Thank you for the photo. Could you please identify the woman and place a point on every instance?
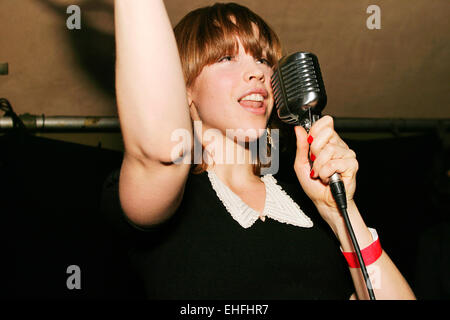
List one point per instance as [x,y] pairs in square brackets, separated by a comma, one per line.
[206,233]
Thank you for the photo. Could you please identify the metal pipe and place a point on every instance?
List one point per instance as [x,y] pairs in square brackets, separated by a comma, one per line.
[394,125]
[41,123]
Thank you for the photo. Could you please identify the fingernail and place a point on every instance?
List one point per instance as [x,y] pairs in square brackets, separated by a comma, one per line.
[310,139]
[312,157]
[311,174]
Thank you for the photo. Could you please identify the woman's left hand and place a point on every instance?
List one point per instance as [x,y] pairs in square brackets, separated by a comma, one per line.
[330,154]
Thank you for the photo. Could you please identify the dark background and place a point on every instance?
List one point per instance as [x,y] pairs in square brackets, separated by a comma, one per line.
[50,196]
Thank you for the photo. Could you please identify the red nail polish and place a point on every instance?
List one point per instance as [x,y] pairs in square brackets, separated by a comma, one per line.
[310,139]
[312,157]
[311,174]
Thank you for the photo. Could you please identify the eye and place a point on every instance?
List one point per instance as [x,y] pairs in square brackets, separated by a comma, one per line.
[225,58]
[264,61]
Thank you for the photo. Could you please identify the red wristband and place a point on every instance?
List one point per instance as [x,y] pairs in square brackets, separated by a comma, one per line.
[370,254]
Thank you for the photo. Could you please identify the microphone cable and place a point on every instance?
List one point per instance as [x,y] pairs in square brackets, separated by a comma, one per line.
[338,192]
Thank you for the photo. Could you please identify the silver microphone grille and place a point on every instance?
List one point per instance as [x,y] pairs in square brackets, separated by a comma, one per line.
[297,87]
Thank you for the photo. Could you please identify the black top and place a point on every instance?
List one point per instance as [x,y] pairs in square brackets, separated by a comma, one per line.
[201,252]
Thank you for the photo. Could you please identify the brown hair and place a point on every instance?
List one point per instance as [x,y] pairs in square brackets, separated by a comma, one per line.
[206,34]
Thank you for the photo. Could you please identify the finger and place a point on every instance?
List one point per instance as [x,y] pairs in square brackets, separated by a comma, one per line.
[330,152]
[346,167]
[325,125]
[319,125]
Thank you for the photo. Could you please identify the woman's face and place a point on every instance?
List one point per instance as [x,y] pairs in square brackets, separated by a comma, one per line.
[233,93]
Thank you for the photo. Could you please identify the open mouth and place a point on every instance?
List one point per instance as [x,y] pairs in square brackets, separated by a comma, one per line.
[253,103]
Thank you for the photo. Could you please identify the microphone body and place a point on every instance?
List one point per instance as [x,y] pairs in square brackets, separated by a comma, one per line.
[300,97]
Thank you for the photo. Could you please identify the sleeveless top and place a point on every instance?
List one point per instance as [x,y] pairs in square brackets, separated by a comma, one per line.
[205,251]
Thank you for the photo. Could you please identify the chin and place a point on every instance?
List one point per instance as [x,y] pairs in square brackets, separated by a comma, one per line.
[247,132]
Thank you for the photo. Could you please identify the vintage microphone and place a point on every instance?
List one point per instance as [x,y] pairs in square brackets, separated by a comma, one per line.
[300,97]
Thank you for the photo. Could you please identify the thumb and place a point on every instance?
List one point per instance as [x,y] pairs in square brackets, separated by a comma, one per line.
[302,146]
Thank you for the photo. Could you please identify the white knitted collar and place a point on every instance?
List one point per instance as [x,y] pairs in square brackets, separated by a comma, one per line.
[278,205]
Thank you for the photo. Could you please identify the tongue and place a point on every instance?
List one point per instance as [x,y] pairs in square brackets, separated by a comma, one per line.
[251,104]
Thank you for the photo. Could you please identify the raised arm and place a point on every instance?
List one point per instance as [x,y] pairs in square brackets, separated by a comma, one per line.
[152,103]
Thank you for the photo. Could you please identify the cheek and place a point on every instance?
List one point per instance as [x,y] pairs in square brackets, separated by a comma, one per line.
[223,86]
[215,94]
[271,98]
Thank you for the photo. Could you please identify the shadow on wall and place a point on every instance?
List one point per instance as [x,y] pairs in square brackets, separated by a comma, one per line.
[94,44]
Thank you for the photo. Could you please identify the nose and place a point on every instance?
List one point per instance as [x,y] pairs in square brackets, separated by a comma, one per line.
[254,72]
